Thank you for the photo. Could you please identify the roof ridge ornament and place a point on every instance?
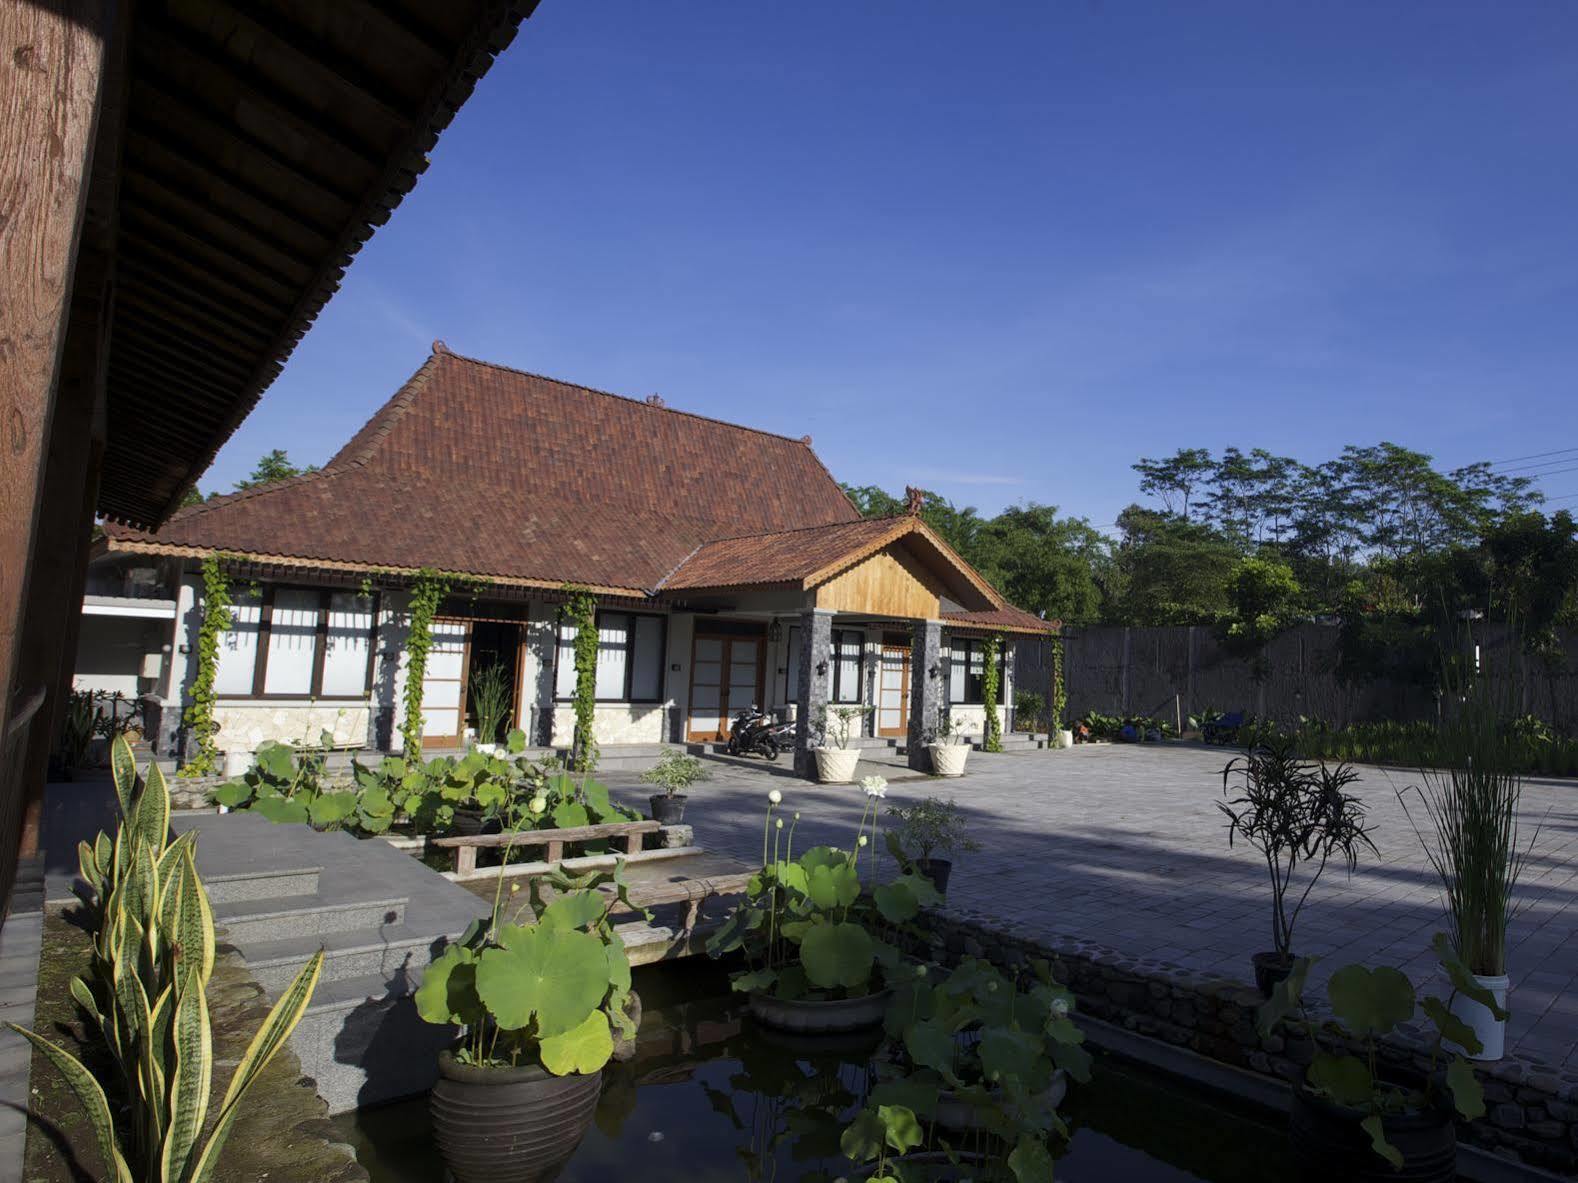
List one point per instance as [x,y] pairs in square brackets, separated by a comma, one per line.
[914,500]
[439,346]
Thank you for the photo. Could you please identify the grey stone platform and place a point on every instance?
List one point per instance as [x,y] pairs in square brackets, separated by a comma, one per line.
[280,893]
[20,940]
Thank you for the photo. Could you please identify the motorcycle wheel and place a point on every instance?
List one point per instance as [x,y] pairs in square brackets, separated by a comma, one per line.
[734,746]
[770,749]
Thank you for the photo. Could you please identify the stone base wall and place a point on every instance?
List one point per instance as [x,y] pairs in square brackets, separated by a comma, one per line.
[616,723]
[1532,1107]
[244,726]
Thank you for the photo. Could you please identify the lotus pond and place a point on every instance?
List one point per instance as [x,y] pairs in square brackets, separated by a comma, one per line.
[712,1096]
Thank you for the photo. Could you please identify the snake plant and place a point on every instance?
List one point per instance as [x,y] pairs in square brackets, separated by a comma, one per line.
[146,994]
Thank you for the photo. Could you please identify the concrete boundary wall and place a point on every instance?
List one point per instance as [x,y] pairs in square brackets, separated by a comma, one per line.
[1175,671]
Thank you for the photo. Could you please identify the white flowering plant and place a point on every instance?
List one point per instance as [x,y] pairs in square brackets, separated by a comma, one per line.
[810,927]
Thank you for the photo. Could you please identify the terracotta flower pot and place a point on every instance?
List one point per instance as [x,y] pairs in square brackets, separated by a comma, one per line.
[509,1125]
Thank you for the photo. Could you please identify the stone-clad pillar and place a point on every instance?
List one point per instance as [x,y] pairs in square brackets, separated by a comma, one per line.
[816,677]
[928,684]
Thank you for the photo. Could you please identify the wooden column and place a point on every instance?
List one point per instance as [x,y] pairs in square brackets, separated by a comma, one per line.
[52,57]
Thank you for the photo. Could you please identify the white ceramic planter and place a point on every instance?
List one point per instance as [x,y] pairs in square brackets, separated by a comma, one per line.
[1065,739]
[487,749]
[948,759]
[836,766]
[1492,1031]
[237,763]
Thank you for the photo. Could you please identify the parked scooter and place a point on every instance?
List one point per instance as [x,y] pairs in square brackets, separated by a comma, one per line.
[756,732]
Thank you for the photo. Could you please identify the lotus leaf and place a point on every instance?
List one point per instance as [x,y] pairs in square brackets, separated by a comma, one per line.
[448,993]
[1464,982]
[900,1128]
[835,886]
[896,901]
[1371,1001]
[329,809]
[275,761]
[837,955]
[864,1138]
[555,976]
[233,794]
[1450,1026]
[930,1045]
[1466,1092]
[575,910]
[567,815]
[1373,1126]
[1008,1054]
[281,809]
[584,1048]
[915,1094]
[1345,1079]
[1030,1161]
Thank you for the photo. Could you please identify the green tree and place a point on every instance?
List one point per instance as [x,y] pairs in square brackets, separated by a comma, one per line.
[273,466]
[1169,571]
[1174,480]
[1043,563]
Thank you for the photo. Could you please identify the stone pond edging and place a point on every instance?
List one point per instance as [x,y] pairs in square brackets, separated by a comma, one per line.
[1532,1107]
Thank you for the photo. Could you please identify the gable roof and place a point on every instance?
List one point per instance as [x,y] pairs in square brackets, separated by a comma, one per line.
[479,469]
[813,555]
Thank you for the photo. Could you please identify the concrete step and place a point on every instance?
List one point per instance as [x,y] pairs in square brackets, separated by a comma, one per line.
[363,1043]
[248,921]
[262,885]
[395,955]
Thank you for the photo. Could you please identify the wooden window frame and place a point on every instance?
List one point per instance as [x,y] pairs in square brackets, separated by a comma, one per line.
[320,648]
[971,645]
[630,665]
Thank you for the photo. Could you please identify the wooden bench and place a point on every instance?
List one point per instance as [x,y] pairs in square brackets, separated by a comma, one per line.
[467,846]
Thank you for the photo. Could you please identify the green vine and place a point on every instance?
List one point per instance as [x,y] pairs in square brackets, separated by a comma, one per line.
[1059,688]
[989,689]
[428,590]
[581,611]
[199,716]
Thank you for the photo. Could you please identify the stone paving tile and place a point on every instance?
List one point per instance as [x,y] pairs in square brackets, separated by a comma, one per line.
[1124,845]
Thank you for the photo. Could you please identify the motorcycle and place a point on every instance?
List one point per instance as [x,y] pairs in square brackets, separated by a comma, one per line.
[754,731]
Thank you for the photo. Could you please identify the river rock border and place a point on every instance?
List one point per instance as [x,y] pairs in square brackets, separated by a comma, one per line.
[1532,1107]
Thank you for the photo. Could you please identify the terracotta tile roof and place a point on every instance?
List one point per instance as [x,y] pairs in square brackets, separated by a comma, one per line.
[812,555]
[1004,619]
[787,556]
[476,468]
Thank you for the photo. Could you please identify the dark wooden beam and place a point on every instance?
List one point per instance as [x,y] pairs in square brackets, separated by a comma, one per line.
[52,57]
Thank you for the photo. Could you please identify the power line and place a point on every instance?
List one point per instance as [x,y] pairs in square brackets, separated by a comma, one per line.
[1540,464]
[1534,456]
[1539,476]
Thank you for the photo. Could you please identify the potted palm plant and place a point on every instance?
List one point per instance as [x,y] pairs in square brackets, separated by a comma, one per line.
[1353,1120]
[540,1003]
[1298,817]
[835,759]
[925,830]
[674,772]
[1470,837]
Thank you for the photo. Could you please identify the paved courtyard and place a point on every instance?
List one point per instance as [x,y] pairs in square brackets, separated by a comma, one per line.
[1124,845]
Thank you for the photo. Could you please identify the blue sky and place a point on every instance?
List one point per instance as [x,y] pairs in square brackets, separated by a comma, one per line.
[1000,250]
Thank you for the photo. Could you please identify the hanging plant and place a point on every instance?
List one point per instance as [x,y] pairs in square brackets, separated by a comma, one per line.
[581,612]
[990,681]
[428,590]
[199,716]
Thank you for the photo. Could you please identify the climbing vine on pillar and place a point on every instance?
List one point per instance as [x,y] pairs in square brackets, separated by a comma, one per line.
[580,611]
[1059,689]
[990,684]
[428,590]
[199,717]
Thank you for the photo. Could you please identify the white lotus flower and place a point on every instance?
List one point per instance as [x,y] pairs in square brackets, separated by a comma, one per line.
[862,840]
[775,797]
[538,804]
[874,786]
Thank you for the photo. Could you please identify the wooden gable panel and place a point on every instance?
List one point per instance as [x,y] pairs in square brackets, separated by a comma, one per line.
[890,583]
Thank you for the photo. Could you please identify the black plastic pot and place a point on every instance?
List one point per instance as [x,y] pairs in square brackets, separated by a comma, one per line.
[937,870]
[509,1125]
[669,808]
[819,1017]
[1271,968]
[466,823]
[1328,1143]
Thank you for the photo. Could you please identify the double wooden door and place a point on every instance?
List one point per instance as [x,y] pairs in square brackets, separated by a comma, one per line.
[893,691]
[725,678]
[444,684]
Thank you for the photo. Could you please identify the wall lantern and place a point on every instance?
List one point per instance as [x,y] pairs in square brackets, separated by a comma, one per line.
[821,669]
[775,631]
[934,670]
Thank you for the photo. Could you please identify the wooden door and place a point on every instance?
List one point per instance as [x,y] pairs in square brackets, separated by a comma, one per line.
[725,678]
[893,691]
[444,684]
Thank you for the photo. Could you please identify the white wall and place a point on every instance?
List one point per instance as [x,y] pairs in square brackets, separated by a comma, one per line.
[110,652]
